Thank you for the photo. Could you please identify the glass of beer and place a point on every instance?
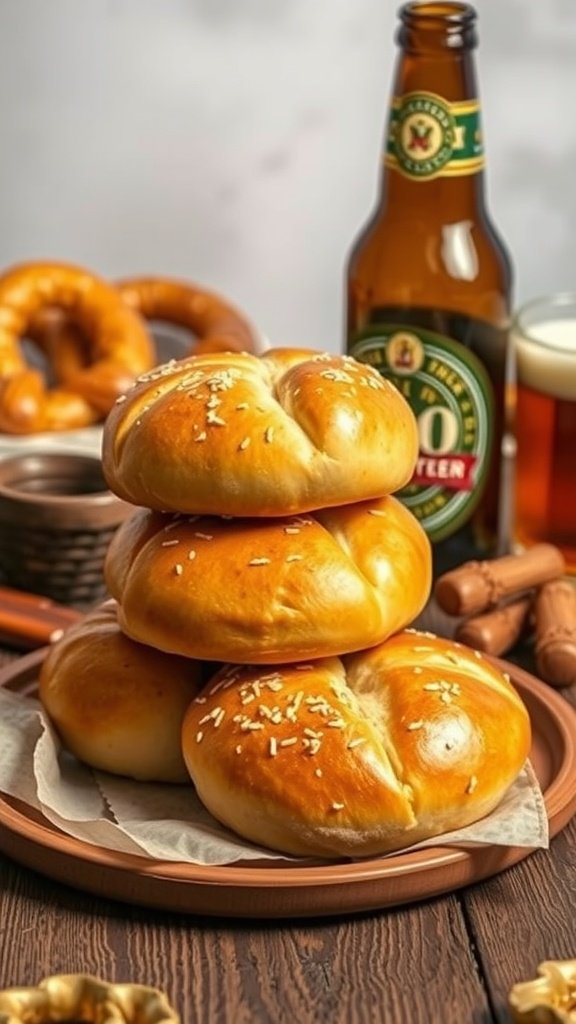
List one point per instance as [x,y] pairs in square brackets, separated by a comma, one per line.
[544,336]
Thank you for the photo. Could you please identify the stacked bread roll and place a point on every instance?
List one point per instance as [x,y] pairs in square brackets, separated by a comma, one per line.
[266,539]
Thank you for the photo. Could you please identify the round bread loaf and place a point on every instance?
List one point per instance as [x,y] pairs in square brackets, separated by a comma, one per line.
[117,705]
[271,435]
[269,590]
[358,756]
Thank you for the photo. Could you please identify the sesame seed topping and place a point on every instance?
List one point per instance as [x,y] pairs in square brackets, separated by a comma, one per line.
[318,773]
[259,561]
[244,444]
[120,399]
[295,558]
[338,807]
[239,748]
[273,747]
[472,784]
[432,686]
[355,743]
[477,654]
[268,434]
[191,555]
[445,697]
[201,436]
[170,543]
[289,742]
[412,726]
[376,512]
[336,723]
[214,420]
[199,736]
[178,569]
[204,536]
[291,529]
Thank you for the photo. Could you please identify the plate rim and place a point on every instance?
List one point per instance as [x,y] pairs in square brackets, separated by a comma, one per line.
[289,879]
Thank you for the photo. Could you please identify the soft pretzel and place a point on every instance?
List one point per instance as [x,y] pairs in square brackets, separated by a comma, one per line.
[360,755]
[244,435]
[117,705]
[216,324]
[269,590]
[117,348]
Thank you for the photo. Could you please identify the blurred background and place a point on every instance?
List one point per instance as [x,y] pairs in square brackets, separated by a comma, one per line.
[237,142]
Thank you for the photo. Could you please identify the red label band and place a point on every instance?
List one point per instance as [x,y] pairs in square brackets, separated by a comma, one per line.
[455,472]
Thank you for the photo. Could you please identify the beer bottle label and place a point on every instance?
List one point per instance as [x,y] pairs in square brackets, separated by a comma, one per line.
[430,137]
[451,396]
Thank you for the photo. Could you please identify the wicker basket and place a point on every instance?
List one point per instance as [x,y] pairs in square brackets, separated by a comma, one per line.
[57,518]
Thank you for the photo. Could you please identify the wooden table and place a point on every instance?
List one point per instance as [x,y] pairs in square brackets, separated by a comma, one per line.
[449,960]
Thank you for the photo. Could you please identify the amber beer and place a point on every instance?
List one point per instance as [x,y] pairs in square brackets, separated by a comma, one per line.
[544,335]
[428,286]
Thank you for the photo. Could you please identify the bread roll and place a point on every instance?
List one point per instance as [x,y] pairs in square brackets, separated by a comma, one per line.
[268,591]
[118,705]
[242,435]
[357,756]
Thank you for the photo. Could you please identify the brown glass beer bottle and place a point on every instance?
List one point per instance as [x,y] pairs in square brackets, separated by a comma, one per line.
[428,287]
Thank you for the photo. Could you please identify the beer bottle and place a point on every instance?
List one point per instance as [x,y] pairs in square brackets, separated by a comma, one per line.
[428,287]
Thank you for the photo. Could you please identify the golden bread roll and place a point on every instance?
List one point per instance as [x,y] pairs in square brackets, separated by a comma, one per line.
[271,435]
[357,756]
[269,590]
[94,372]
[118,705]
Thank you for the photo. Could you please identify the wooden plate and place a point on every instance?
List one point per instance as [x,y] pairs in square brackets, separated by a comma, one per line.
[290,890]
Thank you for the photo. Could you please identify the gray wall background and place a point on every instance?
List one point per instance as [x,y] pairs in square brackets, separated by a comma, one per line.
[237,142]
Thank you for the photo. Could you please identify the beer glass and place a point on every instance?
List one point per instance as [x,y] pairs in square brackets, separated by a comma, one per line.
[544,337]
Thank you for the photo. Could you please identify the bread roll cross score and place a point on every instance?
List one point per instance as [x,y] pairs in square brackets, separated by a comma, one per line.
[236,434]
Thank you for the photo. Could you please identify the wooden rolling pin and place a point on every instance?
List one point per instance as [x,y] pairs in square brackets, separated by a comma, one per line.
[28,621]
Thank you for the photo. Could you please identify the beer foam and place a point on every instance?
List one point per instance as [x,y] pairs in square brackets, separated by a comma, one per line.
[547,359]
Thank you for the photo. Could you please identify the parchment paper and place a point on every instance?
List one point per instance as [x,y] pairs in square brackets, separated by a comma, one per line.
[168,822]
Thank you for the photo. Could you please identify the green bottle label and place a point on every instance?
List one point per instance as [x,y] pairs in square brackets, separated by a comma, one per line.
[429,137]
[451,396]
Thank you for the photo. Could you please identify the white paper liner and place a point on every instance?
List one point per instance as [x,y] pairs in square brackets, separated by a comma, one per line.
[168,822]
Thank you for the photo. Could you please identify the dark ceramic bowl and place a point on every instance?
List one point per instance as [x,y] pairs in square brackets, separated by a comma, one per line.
[57,517]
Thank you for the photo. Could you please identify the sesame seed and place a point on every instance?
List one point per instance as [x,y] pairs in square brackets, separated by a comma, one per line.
[219,718]
[120,399]
[355,743]
[295,558]
[477,654]
[273,747]
[201,436]
[204,536]
[412,726]
[259,561]
[289,742]
[318,773]
[178,569]
[472,784]
[215,420]
[199,736]
[338,807]
[376,512]
[239,749]
[268,434]
[200,700]
[445,697]
[170,543]
[336,723]
[291,529]
[244,444]
[303,668]
[432,686]
[191,555]
[247,698]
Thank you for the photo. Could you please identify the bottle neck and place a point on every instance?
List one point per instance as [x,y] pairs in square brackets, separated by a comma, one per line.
[433,158]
